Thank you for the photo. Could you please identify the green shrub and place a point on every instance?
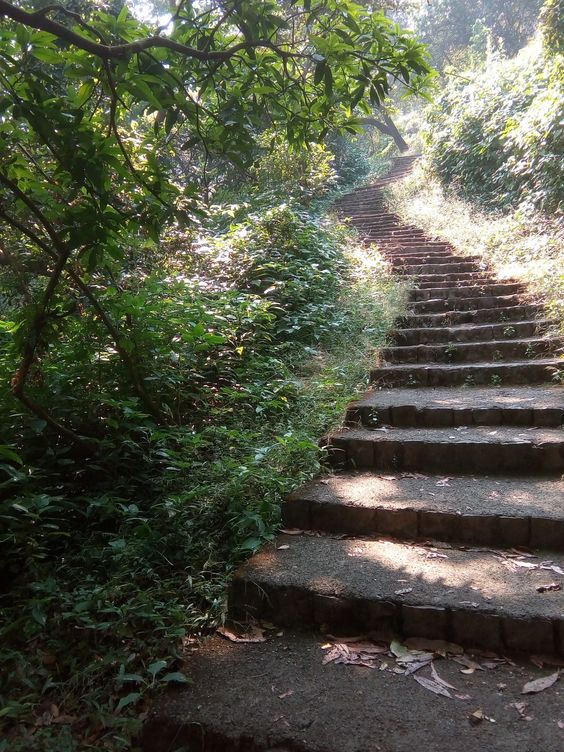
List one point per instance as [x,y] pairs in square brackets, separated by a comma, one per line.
[498,139]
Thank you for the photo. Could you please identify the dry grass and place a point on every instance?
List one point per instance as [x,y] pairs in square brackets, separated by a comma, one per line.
[521,245]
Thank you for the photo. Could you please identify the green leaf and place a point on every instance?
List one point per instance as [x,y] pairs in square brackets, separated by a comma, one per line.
[129,699]
[177,677]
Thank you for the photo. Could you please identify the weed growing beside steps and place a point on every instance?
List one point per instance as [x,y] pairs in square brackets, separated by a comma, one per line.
[109,565]
[522,245]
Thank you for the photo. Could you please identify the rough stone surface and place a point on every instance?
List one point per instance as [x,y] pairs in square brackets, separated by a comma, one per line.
[279,697]
[455,557]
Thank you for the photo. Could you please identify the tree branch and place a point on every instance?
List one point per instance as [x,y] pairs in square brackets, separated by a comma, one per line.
[38,20]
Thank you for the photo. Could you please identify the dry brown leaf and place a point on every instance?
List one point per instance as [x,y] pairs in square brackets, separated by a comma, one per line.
[550,565]
[547,660]
[253,634]
[539,685]
[553,587]
[433,686]
[523,709]
[439,680]
[442,647]
[478,716]
[468,663]
[415,666]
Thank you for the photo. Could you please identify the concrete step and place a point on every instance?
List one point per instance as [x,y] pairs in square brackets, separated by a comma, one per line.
[480,281]
[466,291]
[522,312]
[472,598]
[486,511]
[471,332]
[486,449]
[440,279]
[462,406]
[463,266]
[543,370]
[281,696]
[444,257]
[438,305]
[475,352]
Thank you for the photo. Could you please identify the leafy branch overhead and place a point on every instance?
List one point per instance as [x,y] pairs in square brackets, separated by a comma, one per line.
[96,107]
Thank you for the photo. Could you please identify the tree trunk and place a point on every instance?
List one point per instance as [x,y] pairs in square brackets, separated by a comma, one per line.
[388,127]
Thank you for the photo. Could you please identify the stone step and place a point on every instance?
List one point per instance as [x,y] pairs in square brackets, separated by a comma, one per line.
[537,371]
[439,305]
[462,406]
[470,597]
[436,279]
[466,291]
[486,511]
[462,266]
[485,315]
[478,282]
[474,352]
[281,696]
[486,449]
[471,332]
[446,257]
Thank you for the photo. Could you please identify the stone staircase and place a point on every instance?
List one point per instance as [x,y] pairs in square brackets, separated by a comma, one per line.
[444,517]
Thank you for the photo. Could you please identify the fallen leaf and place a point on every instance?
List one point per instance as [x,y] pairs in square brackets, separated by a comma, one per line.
[442,647]
[292,531]
[433,686]
[404,591]
[549,588]
[463,697]
[478,716]
[551,566]
[443,482]
[253,634]
[468,663]
[547,660]
[539,685]
[282,548]
[439,680]
[523,709]
[286,694]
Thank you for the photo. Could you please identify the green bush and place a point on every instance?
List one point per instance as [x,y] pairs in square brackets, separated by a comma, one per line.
[498,138]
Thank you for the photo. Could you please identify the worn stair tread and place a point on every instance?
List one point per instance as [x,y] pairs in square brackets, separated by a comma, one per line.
[280,697]
[489,510]
[461,435]
[477,580]
[527,348]
[470,332]
[554,363]
[479,400]
[490,449]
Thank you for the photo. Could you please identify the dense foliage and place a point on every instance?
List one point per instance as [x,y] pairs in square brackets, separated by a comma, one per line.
[177,326]
[497,135]
[448,25]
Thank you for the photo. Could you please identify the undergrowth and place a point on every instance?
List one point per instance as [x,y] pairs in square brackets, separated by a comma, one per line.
[257,338]
[522,244]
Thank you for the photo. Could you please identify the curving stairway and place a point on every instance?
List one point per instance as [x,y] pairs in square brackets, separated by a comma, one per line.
[444,520]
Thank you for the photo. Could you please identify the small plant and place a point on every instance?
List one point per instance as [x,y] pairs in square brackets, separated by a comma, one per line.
[495,380]
[509,332]
[469,381]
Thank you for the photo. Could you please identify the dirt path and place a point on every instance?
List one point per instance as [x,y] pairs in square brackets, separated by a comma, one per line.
[437,549]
